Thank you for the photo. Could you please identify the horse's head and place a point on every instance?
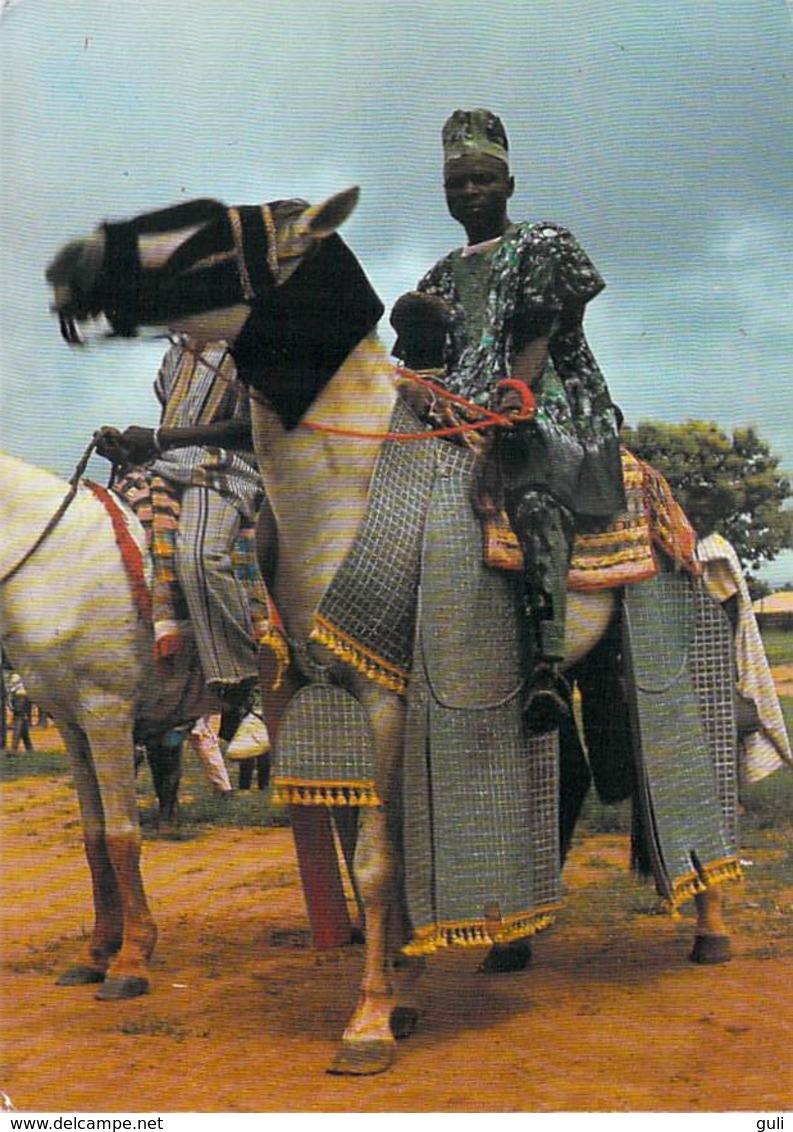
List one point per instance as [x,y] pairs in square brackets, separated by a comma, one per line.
[273,280]
[166,268]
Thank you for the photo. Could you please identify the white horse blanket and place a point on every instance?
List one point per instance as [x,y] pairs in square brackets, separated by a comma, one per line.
[768,748]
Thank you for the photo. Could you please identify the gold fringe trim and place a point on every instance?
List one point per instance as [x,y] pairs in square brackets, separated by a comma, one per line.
[360,658]
[479,933]
[274,640]
[300,792]
[695,883]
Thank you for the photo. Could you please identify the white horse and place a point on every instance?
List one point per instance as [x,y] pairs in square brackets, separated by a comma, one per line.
[71,625]
[196,275]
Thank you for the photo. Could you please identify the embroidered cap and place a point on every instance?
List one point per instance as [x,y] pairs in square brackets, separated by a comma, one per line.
[474,131]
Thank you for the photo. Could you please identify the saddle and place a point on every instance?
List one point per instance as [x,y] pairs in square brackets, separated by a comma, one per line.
[623,553]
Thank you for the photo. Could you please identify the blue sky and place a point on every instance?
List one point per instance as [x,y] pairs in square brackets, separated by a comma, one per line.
[659,132]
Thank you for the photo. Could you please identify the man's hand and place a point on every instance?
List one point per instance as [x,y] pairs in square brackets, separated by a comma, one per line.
[514,399]
[139,444]
[133,446]
[109,445]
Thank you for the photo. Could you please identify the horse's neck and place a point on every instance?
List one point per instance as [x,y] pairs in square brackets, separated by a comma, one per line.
[318,481]
[332,452]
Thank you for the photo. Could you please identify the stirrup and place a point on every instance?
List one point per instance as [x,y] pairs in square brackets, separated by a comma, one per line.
[547,702]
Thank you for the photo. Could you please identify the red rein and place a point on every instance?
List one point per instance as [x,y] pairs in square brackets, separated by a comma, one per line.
[490,419]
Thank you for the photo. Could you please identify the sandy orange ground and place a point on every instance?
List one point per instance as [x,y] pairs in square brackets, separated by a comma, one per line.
[244,1015]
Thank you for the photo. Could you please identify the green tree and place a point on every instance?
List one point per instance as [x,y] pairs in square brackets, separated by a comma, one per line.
[729,484]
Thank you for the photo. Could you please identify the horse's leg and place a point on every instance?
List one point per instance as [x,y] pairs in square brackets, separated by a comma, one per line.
[108,928]
[127,976]
[110,738]
[368,1042]
[406,972]
[711,940]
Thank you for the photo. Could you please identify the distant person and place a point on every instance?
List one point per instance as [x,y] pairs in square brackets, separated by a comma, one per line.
[21,714]
[206,745]
[764,743]
[258,768]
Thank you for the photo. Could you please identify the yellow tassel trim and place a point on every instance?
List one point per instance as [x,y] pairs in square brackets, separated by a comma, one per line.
[479,933]
[275,642]
[695,883]
[299,792]
[358,657]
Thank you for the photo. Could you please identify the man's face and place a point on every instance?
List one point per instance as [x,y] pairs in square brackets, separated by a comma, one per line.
[477,189]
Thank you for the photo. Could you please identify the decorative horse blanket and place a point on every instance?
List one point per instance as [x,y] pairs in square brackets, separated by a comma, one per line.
[626,551]
[132,545]
[481,798]
[367,616]
[151,569]
[480,802]
[684,733]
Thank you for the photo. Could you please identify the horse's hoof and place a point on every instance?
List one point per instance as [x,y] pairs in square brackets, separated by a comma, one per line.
[504,958]
[125,986]
[362,1059]
[81,975]
[403,1021]
[711,949]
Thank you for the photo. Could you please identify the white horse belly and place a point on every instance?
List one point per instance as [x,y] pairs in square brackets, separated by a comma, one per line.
[588,616]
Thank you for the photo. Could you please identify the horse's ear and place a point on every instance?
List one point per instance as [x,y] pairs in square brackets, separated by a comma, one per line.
[322,220]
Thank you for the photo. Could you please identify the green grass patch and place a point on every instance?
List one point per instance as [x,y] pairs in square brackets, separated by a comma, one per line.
[153,1026]
[199,805]
[769,804]
[36,764]
[778,646]
[602,817]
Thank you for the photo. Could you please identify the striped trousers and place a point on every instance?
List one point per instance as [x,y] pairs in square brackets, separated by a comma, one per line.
[217,601]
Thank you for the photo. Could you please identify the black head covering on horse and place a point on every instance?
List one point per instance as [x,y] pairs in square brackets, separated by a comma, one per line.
[310,323]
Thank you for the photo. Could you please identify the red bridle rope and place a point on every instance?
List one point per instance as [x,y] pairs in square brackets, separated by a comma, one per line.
[490,419]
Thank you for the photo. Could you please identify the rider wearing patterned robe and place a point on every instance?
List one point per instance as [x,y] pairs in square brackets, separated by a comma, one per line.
[203,450]
[517,294]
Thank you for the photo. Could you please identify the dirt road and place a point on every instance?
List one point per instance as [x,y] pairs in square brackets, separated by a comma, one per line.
[244,1015]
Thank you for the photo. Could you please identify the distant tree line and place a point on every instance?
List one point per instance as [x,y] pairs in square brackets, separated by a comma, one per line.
[731,484]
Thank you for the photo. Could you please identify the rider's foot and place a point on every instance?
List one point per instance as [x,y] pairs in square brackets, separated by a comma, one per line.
[547,699]
[250,739]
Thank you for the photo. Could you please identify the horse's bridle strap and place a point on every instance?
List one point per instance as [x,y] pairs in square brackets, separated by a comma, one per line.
[253,236]
[120,278]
